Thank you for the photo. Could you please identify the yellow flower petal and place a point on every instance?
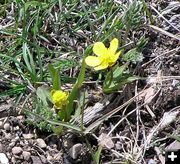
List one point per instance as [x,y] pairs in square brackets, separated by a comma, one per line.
[99,48]
[113,46]
[92,61]
[114,58]
[59,98]
[101,66]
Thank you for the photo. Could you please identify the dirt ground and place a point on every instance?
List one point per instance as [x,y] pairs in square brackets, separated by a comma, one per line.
[146,127]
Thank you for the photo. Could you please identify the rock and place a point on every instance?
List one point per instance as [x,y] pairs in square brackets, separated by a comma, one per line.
[3,159]
[20,117]
[173,146]
[1,148]
[7,126]
[28,136]
[118,145]
[49,157]
[13,160]
[58,156]
[75,150]
[17,150]
[16,128]
[106,141]
[26,155]
[36,160]
[8,136]
[12,144]
[41,143]
[152,161]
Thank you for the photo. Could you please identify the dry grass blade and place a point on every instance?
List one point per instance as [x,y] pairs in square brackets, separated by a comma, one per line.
[163,54]
[164,32]
[165,19]
[108,115]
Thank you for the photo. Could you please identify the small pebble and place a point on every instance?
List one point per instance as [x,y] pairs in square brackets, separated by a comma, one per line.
[17,150]
[12,144]
[13,160]
[20,117]
[28,136]
[118,146]
[8,136]
[36,160]
[58,156]
[41,143]
[26,155]
[175,82]
[75,150]
[7,126]
[16,128]
[152,161]
[49,158]
[1,148]
[3,159]
[172,69]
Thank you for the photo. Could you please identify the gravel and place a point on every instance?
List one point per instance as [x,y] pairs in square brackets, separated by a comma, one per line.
[3,159]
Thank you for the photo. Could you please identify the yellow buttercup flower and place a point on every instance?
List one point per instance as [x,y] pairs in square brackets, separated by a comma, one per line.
[59,98]
[105,57]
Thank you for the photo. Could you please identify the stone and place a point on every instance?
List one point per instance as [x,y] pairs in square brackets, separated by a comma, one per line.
[12,144]
[3,159]
[20,117]
[26,155]
[106,141]
[17,150]
[152,161]
[75,150]
[36,160]
[8,136]
[13,160]
[7,126]
[49,157]
[173,146]
[41,143]
[28,136]
[1,148]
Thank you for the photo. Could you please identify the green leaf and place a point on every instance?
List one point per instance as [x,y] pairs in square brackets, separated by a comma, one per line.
[117,78]
[141,43]
[14,91]
[98,155]
[133,18]
[58,130]
[75,91]
[55,77]
[43,94]
[133,55]
[58,123]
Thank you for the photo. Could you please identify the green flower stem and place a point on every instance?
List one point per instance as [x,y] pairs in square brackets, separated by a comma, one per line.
[75,91]
[111,77]
[82,113]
